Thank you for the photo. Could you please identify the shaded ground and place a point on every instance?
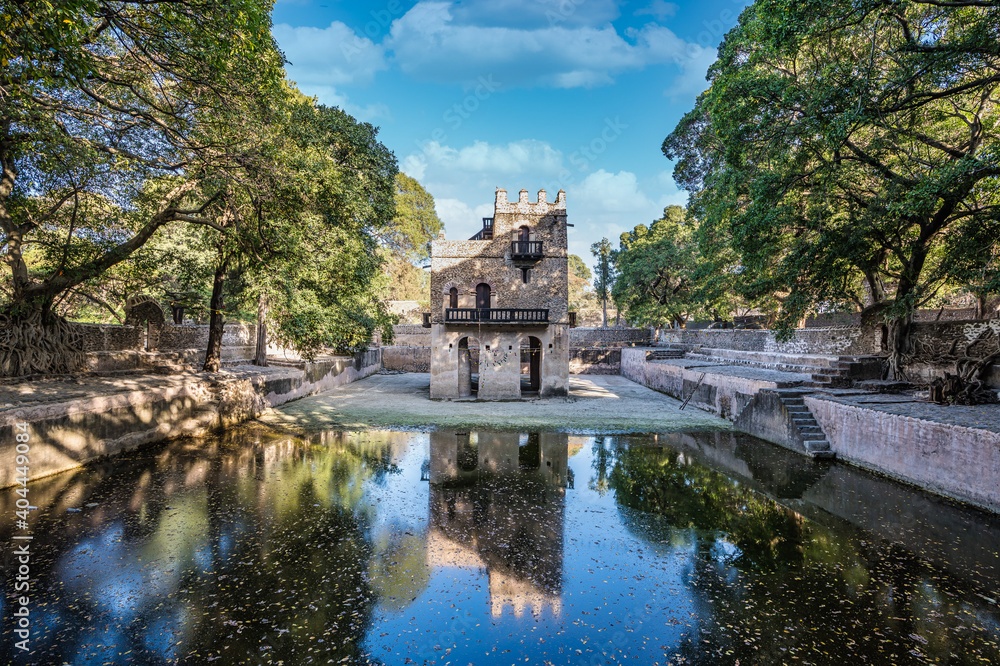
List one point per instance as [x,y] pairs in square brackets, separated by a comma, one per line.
[17,393]
[597,403]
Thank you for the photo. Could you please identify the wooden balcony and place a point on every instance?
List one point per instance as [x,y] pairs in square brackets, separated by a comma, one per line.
[496,316]
[520,250]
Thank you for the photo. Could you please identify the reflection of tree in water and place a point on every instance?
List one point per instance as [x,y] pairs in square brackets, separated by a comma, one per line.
[256,552]
[681,494]
[792,590]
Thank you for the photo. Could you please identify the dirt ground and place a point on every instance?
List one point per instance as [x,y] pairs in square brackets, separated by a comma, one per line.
[597,404]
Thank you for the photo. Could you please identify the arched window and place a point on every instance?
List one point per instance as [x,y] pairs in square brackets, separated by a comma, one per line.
[483,295]
[524,234]
[453,297]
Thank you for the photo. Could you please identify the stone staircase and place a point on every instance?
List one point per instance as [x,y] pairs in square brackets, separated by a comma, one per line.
[665,354]
[813,440]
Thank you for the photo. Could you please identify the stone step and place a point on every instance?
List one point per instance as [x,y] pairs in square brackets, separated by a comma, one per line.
[810,429]
[812,435]
[820,449]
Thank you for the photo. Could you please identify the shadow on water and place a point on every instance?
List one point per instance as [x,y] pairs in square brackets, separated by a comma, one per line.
[482,547]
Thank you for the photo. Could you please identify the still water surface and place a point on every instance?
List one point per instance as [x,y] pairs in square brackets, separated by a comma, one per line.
[499,548]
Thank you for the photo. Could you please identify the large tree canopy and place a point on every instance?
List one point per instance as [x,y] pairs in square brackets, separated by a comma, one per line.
[102,141]
[848,149]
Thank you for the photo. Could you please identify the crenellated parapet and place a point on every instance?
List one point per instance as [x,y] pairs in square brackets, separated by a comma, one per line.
[524,206]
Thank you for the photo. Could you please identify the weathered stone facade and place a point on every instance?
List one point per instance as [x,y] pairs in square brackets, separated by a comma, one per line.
[467,274]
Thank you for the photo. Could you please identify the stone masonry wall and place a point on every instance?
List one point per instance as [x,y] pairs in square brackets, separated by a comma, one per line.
[113,337]
[609,337]
[845,341]
[467,263]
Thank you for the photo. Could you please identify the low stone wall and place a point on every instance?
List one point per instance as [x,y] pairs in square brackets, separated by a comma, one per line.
[411,336]
[595,361]
[113,348]
[406,359]
[957,462]
[64,435]
[581,361]
[609,337]
[196,337]
[108,338]
[114,337]
[843,341]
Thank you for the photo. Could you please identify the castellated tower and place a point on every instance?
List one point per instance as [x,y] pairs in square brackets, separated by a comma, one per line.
[500,305]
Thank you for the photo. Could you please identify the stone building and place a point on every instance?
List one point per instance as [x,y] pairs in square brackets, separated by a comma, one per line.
[500,305]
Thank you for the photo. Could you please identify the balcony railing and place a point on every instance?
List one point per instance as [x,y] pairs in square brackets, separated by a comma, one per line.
[486,233]
[526,249]
[496,316]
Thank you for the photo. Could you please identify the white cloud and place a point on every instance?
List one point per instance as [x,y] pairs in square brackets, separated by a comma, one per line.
[330,56]
[605,205]
[513,158]
[513,13]
[461,220]
[429,42]
[658,9]
[322,59]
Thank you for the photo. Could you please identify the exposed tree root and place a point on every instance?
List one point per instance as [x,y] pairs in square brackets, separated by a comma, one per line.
[31,345]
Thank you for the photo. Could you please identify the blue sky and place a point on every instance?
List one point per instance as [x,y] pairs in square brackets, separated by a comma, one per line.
[472,95]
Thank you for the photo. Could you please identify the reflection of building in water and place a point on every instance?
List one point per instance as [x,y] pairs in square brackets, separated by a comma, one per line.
[496,503]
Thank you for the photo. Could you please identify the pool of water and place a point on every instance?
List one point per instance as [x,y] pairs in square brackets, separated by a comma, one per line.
[498,548]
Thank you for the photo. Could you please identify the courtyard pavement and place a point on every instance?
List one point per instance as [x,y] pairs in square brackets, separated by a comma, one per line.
[597,404]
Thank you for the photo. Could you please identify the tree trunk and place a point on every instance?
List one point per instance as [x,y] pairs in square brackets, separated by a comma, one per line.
[604,306]
[900,347]
[213,355]
[260,358]
[981,307]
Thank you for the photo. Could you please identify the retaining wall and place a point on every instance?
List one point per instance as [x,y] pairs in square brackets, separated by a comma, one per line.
[64,435]
[721,394]
[957,462]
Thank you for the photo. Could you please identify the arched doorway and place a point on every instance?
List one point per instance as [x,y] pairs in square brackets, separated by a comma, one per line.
[453,297]
[524,234]
[468,367]
[531,365]
[484,295]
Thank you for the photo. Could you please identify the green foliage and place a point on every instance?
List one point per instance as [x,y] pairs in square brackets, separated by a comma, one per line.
[581,294]
[416,223]
[655,271]
[578,268]
[847,150]
[604,273]
[101,130]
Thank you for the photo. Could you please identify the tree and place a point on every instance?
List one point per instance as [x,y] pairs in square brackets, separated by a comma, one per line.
[408,241]
[656,283]
[581,294]
[846,148]
[604,273]
[99,141]
[416,223]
